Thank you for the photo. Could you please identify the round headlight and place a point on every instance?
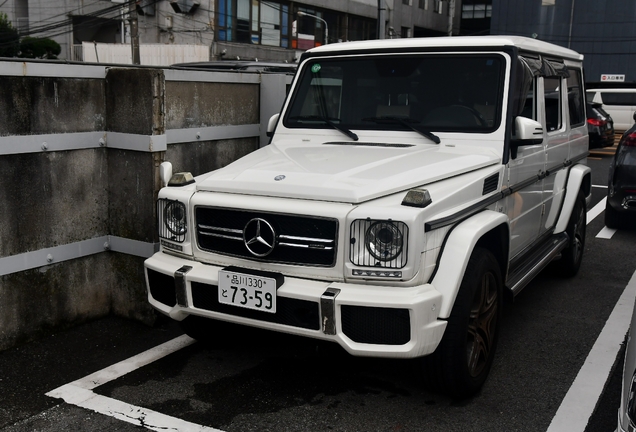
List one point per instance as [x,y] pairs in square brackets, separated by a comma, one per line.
[384,241]
[174,217]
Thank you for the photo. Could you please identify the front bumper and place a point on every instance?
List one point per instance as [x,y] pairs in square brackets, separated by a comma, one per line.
[375,321]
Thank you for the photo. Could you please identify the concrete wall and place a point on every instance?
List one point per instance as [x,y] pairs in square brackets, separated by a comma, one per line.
[80,148]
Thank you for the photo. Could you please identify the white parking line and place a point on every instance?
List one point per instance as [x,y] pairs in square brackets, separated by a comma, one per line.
[80,392]
[596,210]
[605,233]
[581,399]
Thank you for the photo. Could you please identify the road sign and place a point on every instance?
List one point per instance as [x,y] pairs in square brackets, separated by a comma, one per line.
[613,77]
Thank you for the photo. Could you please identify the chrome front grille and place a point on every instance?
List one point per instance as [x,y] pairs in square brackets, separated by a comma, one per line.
[269,237]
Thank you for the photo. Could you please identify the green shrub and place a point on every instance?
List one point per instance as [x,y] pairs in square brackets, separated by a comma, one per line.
[9,38]
[44,48]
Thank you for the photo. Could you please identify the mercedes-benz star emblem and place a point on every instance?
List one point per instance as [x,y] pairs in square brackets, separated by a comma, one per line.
[259,237]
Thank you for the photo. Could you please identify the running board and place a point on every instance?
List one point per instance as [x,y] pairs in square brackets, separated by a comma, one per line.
[535,262]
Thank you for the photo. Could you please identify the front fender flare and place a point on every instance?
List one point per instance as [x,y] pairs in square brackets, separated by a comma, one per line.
[456,252]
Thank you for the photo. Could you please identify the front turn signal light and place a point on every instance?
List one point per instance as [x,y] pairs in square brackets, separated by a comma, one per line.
[417,198]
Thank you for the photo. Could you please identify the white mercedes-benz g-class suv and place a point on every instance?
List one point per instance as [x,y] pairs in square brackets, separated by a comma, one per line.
[409,186]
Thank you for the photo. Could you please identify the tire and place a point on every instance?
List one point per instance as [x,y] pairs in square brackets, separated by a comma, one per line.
[572,256]
[461,363]
[612,217]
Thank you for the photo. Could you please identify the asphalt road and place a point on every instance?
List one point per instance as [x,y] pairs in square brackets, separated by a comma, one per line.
[271,382]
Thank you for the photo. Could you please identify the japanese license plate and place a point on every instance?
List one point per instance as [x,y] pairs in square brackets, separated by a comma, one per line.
[247,290]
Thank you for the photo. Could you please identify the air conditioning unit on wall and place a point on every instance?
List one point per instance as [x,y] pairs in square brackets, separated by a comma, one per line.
[146,7]
[185,6]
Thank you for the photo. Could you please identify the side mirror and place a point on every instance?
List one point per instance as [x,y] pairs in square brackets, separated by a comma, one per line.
[528,132]
[271,125]
[634,116]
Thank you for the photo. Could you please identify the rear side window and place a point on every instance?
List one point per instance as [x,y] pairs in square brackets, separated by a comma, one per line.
[614,98]
[576,106]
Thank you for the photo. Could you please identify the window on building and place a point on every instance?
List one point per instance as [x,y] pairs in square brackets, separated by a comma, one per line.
[548,2]
[406,32]
[270,24]
[252,21]
[243,30]
[438,6]
[476,11]
[277,24]
[423,4]
[359,28]
[406,2]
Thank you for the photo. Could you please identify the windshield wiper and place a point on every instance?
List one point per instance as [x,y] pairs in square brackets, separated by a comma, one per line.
[329,122]
[405,121]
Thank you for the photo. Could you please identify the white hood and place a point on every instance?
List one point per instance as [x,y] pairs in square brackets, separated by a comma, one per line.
[350,172]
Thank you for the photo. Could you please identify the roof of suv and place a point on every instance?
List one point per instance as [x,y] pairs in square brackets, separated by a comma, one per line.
[523,43]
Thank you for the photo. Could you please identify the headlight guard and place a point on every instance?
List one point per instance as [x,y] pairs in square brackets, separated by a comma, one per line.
[379,243]
[173,221]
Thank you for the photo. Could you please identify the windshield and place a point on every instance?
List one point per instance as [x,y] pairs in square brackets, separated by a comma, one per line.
[429,93]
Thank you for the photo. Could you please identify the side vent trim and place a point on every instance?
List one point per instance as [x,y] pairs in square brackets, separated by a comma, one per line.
[490,184]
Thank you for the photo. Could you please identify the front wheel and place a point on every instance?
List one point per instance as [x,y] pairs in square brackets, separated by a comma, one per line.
[461,363]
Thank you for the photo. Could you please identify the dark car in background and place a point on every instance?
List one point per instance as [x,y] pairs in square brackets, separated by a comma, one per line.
[600,126]
[620,209]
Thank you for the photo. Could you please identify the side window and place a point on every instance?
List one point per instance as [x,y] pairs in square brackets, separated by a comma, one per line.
[552,103]
[529,107]
[575,98]
[625,99]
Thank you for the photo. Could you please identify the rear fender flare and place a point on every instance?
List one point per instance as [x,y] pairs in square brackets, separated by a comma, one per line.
[456,253]
[579,178]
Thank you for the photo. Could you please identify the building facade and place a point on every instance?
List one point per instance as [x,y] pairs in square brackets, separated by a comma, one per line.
[603,31]
[277,30]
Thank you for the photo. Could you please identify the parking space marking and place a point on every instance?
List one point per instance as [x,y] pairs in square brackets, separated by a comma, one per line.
[596,210]
[581,399]
[138,416]
[606,233]
[80,392]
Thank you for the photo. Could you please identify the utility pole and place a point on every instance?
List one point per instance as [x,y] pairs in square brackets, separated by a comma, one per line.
[134,32]
[451,15]
[381,20]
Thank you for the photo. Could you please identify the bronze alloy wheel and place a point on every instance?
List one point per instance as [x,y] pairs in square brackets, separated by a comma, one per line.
[461,363]
[482,325]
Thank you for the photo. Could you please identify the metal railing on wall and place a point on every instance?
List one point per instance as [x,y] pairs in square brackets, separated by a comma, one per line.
[78,53]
